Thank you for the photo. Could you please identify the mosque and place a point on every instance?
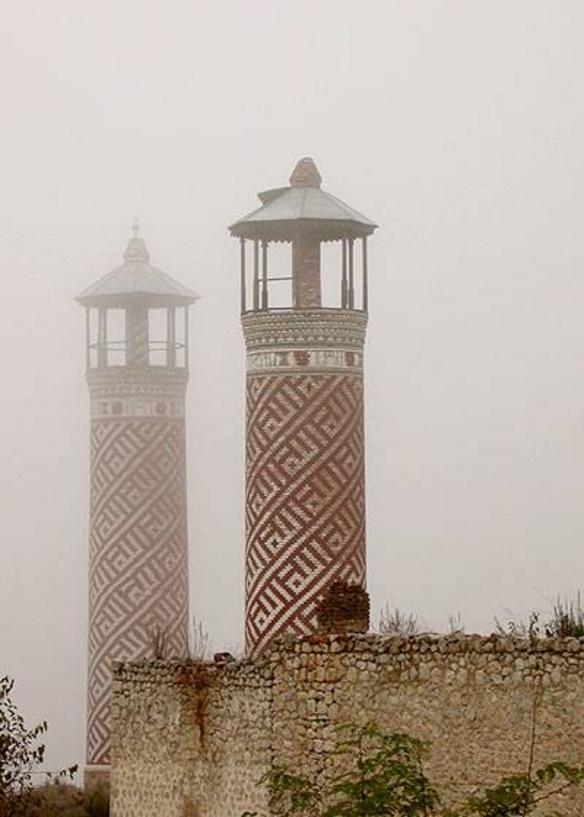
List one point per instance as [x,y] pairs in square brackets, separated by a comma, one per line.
[179,737]
[305,479]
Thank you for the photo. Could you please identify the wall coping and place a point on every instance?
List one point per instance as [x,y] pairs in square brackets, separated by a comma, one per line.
[354,643]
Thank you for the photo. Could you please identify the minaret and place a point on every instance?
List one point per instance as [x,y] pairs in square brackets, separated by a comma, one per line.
[305,480]
[137,372]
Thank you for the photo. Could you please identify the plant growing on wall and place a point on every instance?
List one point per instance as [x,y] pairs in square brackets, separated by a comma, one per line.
[393,621]
[566,619]
[383,775]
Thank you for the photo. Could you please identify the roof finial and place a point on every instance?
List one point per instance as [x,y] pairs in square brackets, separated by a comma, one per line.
[305,174]
[136,251]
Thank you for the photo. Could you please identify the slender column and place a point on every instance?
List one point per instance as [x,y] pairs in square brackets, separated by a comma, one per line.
[351,276]
[137,351]
[264,274]
[87,339]
[186,339]
[242,254]
[344,275]
[365,281]
[101,338]
[170,337]
[306,273]
[256,274]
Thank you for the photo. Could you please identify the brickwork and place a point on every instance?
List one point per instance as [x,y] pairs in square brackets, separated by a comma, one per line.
[305,485]
[344,608]
[138,578]
[195,740]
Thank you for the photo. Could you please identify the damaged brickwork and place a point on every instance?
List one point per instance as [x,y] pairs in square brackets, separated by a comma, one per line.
[187,741]
[344,608]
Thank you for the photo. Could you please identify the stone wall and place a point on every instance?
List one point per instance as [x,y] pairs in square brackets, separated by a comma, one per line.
[194,739]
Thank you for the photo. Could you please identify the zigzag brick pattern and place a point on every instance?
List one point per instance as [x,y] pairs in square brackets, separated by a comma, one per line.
[138,577]
[305,497]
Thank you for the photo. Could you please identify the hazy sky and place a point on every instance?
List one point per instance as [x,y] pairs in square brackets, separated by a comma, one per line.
[457,125]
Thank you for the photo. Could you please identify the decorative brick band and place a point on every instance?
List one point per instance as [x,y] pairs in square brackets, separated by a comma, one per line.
[125,392]
[311,328]
[300,360]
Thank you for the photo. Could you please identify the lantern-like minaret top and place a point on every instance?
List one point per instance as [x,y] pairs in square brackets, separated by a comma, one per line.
[133,314]
[305,216]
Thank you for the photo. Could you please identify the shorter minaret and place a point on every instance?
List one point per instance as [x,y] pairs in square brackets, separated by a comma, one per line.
[305,477]
[137,373]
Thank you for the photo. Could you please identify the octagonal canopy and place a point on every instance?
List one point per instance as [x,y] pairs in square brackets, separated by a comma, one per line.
[302,208]
[136,280]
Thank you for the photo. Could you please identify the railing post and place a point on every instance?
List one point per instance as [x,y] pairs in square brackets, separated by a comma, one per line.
[101,337]
[344,274]
[351,276]
[87,339]
[264,274]
[365,281]
[256,274]
[186,339]
[242,250]
[170,337]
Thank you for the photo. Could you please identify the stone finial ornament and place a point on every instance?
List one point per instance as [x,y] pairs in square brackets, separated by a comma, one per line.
[136,251]
[305,174]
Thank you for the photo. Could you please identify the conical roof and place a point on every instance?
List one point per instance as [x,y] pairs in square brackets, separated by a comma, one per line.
[136,279]
[302,206]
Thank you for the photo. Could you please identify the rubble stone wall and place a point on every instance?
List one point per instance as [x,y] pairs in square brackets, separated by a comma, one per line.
[195,739]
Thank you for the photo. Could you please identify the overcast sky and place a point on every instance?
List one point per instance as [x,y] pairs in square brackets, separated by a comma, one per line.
[456,125]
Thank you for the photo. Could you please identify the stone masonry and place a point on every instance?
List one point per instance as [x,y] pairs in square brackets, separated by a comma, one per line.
[194,739]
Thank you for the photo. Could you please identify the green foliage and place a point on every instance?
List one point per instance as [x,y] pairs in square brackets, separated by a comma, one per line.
[383,776]
[519,794]
[290,794]
[20,752]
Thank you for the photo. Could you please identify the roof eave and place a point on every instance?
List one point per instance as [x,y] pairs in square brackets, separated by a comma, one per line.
[288,229]
[124,299]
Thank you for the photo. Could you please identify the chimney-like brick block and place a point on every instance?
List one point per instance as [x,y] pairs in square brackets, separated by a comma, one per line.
[344,609]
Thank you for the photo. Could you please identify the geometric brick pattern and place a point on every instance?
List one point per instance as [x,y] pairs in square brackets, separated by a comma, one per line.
[138,553]
[305,497]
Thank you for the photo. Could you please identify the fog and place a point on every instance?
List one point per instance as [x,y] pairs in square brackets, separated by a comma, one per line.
[456,126]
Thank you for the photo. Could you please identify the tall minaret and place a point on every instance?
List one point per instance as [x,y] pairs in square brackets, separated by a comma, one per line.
[137,372]
[305,481]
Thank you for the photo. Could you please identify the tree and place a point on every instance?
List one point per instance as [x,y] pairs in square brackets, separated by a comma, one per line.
[383,776]
[21,751]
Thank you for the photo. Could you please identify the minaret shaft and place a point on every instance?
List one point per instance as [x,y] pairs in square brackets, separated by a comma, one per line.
[305,478]
[138,573]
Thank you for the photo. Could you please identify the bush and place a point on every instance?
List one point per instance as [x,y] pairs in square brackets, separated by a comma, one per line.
[383,776]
